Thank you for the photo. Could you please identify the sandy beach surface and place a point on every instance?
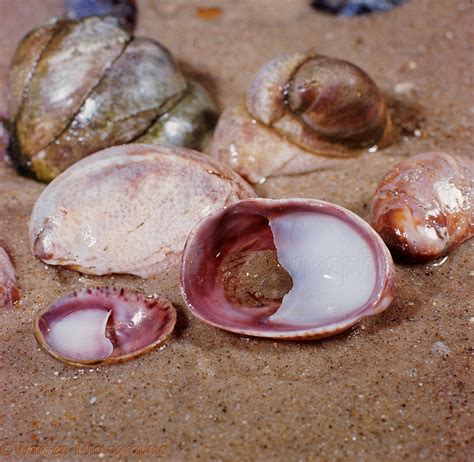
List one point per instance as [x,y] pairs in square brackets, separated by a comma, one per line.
[395,387]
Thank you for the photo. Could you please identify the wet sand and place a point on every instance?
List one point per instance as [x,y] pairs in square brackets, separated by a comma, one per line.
[395,387]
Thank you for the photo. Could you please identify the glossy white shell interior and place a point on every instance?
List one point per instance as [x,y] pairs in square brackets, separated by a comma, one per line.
[332,268]
[81,335]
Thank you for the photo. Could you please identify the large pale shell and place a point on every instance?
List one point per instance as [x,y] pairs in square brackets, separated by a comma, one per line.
[103,325]
[341,269]
[129,209]
[423,208]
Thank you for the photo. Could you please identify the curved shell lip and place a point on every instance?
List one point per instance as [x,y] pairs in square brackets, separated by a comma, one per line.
[380,299]
[97,362]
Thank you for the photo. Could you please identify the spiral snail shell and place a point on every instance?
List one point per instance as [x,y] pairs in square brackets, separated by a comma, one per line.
[303,112]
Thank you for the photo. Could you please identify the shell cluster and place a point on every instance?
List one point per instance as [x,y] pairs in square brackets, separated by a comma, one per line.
[77,87]
[284,269]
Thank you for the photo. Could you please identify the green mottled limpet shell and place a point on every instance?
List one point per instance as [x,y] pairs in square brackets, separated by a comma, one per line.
[77,87]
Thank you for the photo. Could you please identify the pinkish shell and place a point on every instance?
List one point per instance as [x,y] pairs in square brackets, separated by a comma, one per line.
[423,208]
[244,144]
[9,293]
[129,209]
[341,269]
[103,325]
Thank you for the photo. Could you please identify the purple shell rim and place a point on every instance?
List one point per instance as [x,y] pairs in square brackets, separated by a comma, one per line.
[104,361]
[379,301]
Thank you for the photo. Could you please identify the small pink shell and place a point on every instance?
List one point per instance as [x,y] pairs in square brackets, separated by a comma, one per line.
[9,293]
[103,325]
[423,208]
[249,225]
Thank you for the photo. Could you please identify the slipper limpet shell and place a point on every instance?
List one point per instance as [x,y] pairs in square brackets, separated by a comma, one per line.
[103,325]
[129,209]
[77,87]
[340,269]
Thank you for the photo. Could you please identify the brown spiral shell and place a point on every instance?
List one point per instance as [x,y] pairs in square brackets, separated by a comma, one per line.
[317,99]
[309,110]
